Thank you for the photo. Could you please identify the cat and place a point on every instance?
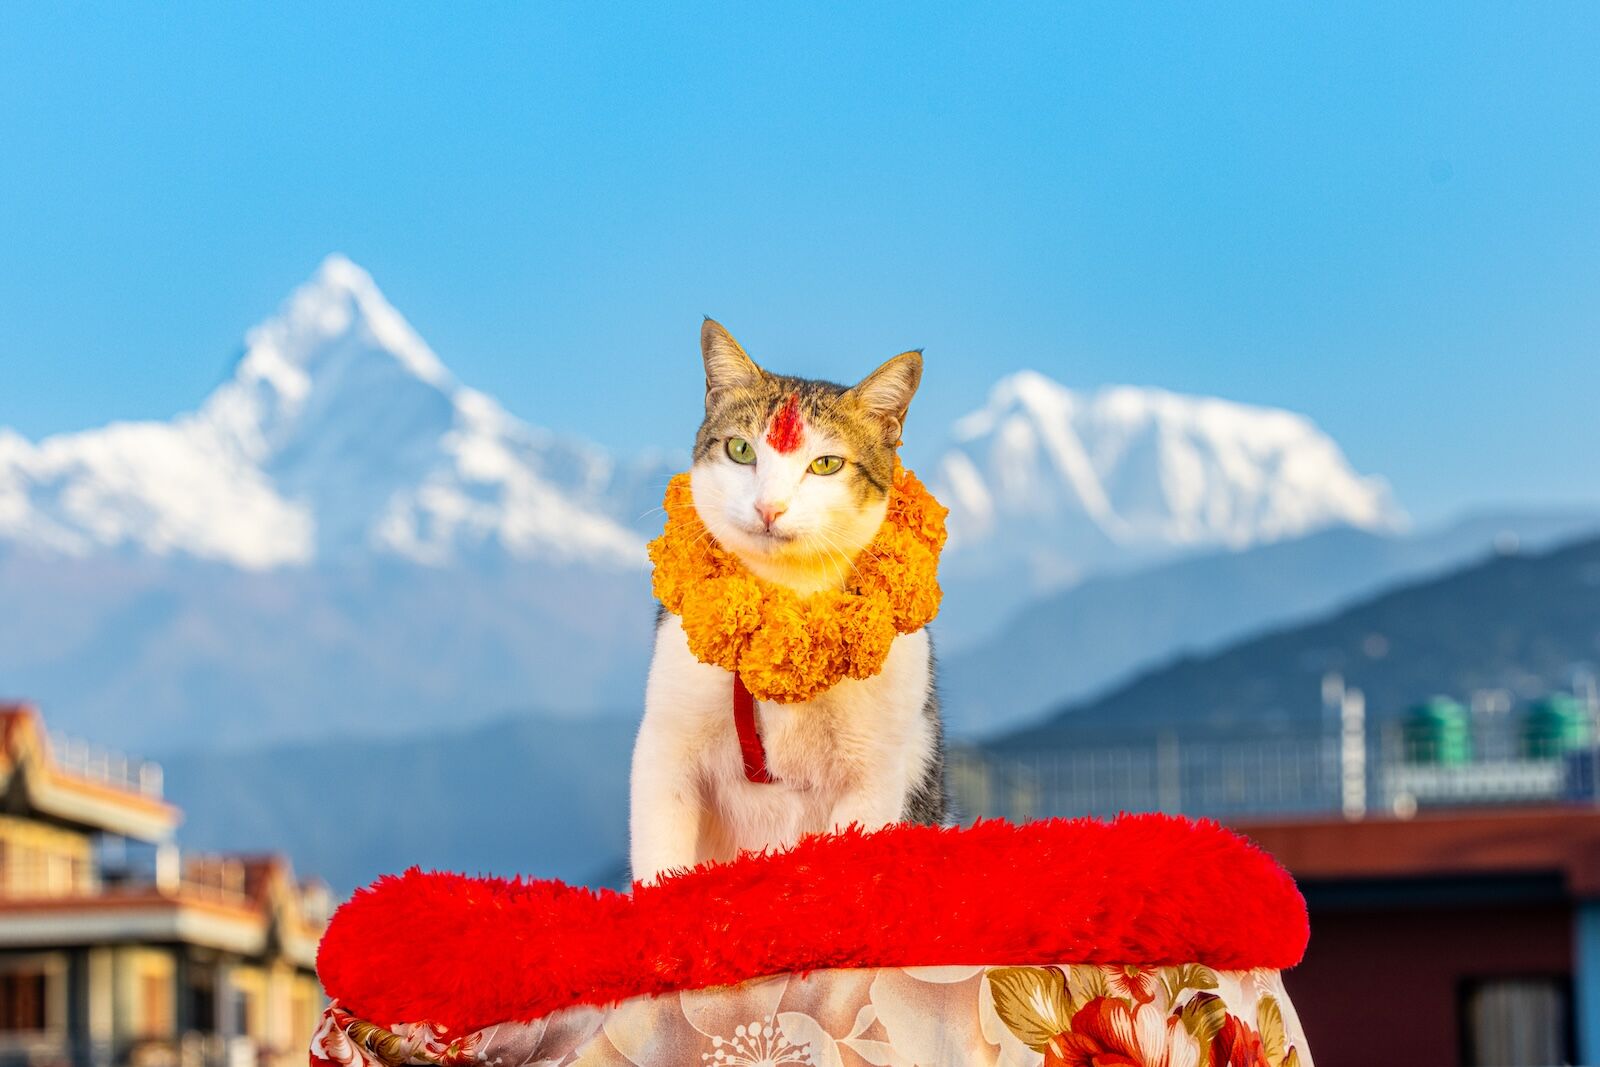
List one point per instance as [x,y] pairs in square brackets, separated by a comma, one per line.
[796,502]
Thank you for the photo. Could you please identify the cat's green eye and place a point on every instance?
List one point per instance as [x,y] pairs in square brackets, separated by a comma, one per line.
[741,451]
[827,464]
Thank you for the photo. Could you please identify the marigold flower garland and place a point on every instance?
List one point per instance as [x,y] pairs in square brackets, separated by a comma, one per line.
[784,646]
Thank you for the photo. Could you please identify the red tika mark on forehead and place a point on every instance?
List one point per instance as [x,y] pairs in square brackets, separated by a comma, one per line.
[787,426]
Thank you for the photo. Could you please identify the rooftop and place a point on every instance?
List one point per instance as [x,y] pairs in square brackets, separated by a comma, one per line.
[79,786]
[244,903]
[1500,842]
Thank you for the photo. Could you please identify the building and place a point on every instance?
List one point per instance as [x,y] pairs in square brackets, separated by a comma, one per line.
[1450,938]
[114,949]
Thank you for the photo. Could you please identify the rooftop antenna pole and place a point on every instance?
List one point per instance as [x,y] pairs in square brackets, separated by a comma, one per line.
[1353,753]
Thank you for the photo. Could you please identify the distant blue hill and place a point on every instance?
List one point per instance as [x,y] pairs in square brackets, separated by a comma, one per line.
[1523,623]
[1099,634]
[537,795]
[158,655]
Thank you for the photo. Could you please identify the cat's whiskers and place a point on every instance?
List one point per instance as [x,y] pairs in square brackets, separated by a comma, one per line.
[823,562]
[847,564]
[866,549]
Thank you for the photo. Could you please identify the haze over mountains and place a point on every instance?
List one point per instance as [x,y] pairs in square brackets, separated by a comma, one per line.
[1069,645]
[348,576]
[343,536]
[558,789]
[516,795]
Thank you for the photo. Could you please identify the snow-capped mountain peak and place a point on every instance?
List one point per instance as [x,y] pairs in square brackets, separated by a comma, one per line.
[335,343]
[339,301]
[1063,481]
[339,433]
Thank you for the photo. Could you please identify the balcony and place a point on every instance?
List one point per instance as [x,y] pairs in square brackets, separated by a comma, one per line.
[77,757]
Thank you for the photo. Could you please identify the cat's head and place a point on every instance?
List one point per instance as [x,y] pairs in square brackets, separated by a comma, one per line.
[791,472]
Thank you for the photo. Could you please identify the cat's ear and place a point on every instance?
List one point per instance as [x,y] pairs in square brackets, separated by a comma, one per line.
[886,393]
[727,366]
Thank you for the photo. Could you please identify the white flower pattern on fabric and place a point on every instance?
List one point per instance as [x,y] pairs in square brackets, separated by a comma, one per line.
[759,1043]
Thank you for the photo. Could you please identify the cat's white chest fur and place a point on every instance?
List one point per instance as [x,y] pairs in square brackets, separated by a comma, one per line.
[852,755]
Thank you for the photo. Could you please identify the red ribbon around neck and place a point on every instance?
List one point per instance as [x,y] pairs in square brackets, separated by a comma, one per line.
[744,722]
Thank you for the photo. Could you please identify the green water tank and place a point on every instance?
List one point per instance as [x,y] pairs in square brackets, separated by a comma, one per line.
[1555,725]
[1437,731]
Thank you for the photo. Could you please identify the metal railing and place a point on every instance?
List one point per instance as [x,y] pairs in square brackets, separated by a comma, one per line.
[1199,779]
[1281,776]
[79,757]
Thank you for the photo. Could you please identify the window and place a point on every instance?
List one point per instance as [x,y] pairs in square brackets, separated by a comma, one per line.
[245,1010]
[305,1013]
[203,1003]
[155,1005]
[1517,1022]
[22,1001]
[36,860]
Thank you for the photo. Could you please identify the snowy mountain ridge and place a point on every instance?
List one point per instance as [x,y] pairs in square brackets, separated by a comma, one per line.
[1064,481]
[339,433]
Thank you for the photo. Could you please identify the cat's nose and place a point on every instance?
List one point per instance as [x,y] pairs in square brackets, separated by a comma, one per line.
[769,510]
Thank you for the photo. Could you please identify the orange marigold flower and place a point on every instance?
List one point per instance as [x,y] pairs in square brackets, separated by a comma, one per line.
[789,648]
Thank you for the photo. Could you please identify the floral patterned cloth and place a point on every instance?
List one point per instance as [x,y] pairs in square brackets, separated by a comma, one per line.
[1068,1016]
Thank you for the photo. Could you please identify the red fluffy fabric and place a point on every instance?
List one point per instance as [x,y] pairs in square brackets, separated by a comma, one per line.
[1143,889]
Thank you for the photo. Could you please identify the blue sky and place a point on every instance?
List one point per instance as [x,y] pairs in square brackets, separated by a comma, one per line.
[1387,217]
